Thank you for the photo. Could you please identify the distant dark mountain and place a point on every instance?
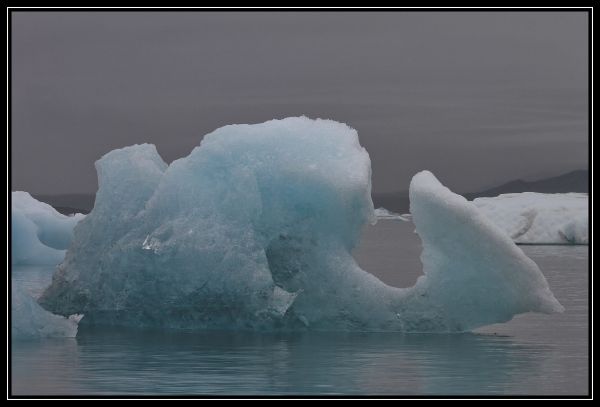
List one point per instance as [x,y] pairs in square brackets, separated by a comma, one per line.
[69,203]
[574,181]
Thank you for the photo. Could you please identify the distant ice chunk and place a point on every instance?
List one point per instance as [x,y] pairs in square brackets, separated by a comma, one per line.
[536,218]
[40,235]
[382,213]
[254,230]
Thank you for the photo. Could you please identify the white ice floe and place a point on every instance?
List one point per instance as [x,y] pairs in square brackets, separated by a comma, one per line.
[537,218]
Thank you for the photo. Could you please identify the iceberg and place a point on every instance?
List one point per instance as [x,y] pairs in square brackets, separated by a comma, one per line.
[382,213]
[40,235]
[536,218]
[254,230]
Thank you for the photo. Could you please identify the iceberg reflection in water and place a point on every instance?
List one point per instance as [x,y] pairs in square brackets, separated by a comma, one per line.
[249,363]
[532,354]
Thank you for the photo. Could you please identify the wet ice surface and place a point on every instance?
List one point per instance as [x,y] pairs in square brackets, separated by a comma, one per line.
[532,354]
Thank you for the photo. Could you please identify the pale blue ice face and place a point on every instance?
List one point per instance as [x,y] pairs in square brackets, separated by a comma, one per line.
[253,230]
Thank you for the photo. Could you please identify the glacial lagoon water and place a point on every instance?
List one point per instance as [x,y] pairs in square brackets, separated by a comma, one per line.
[533,354]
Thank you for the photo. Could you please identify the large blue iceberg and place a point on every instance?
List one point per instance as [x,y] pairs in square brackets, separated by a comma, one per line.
[254,230]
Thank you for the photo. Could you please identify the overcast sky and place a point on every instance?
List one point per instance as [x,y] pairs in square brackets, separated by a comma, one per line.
[478,98]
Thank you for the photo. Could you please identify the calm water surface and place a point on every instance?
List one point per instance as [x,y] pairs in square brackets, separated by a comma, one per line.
[532,354]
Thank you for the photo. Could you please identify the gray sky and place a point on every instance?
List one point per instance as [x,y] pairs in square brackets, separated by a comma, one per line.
[478,98]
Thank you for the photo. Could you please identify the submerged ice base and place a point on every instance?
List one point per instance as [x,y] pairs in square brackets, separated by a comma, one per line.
[254,230]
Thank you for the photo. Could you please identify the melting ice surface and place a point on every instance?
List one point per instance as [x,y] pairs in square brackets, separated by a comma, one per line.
[254,230]
[531,217]
[40,235]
